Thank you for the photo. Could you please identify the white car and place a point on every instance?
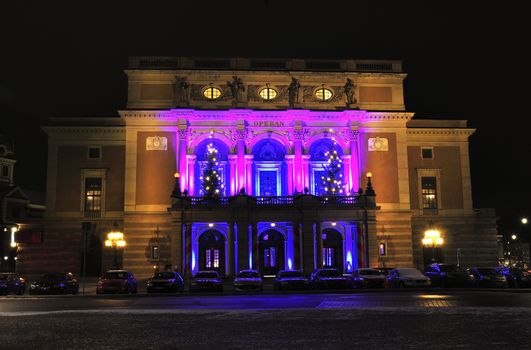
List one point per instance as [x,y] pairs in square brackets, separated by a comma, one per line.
[407,277]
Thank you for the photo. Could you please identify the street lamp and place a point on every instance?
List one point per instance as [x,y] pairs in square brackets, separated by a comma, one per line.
[514,237]
[432,238]
[115,239]
[524,221]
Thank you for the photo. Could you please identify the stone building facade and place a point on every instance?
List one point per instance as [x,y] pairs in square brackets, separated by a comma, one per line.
[271,123]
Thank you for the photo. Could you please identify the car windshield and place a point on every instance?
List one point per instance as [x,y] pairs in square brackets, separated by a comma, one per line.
[164,275]
[487,271]
[289,274]
[409,272]
[330,273]
[369,272]
[248,274]
[54,276]
[207,274]
[449,268]
[115,275]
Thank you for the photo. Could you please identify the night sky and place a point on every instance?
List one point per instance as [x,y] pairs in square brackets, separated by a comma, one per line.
[463,63]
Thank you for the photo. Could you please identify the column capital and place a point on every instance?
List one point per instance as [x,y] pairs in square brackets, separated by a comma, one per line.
[191,158]
[183,133]
[354,134]
[233,158]
[249,158]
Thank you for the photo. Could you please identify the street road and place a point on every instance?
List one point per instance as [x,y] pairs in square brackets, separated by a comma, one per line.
[437,319]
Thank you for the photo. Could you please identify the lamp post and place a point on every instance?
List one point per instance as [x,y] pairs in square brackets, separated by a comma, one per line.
[432,238]
[115,239]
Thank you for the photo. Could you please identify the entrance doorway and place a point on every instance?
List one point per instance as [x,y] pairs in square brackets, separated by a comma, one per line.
[271,252]
[332,249]
[212,251]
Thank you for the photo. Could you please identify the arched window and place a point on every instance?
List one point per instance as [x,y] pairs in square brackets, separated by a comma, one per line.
[212,251]
[201,163]
[212,93]
[323,94]
[268,93]
[269,167]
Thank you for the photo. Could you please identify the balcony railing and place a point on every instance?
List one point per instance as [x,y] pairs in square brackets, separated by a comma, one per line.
[259,201]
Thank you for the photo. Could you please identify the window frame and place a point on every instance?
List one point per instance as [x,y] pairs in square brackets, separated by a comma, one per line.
[211,87]
[323,88]
[436,173]
[422,153]
[93,173]
[267,88]
[99,148]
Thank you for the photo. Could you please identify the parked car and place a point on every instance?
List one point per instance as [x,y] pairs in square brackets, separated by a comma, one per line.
[516,277]
[487,277]
[448,275]
[12,283]
[206,281]
[329,278]
[407,277]
[165,282]
[117,281]
[291,279]
[368,278]
[248,280]
[55,283]
[385,271]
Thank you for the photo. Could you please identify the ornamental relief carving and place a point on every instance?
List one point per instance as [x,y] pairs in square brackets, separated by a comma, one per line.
[253,134]
[378,144]
[303,134]
[156,143]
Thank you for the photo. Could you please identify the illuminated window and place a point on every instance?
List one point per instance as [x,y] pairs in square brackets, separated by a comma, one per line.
[382,250]
[212,93]
[323,94]
[93,189]
[212,258]
[155,252]
[268,93]
[429,193]
[328,257]
[216,258]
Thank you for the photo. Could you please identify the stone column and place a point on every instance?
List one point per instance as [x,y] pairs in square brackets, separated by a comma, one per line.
[241,163]
[354,161]
[188,250]
[249,175]
[297,161]
[319,244]
[183,165]
[289,162]
[243,245]
[308,247]
[306,171]
[233,161]
[230,250]
[297,263]
[347,179]
[190,158]
[254,233]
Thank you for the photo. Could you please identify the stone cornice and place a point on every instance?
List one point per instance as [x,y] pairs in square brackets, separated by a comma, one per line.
[441,132]
[84,129]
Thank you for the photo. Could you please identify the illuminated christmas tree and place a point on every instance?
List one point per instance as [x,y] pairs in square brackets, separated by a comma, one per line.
[332,181]
[211,179]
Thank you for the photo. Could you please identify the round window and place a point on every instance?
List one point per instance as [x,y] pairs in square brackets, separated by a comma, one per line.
[323,94]
[268,93]
[212,93]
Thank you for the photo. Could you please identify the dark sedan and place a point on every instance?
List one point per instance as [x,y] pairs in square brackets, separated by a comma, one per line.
[165,282]
[487,277]
[329,279]
[206,281]
[12,283]
[117,281]
[516,277]
[290,280]
[448,275]
[55,283]
[248,280]
[368,278]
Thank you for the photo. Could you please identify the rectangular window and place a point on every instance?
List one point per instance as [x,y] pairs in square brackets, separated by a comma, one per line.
[93,192]
[328,257]
[5,171]
[208,259]
[429,193]
[427,153]
[216,258]
[94,152]
[155,252]
[382,250]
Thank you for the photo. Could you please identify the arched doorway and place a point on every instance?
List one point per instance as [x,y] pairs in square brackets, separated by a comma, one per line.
[332,249]
[271,252]
[212,251]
